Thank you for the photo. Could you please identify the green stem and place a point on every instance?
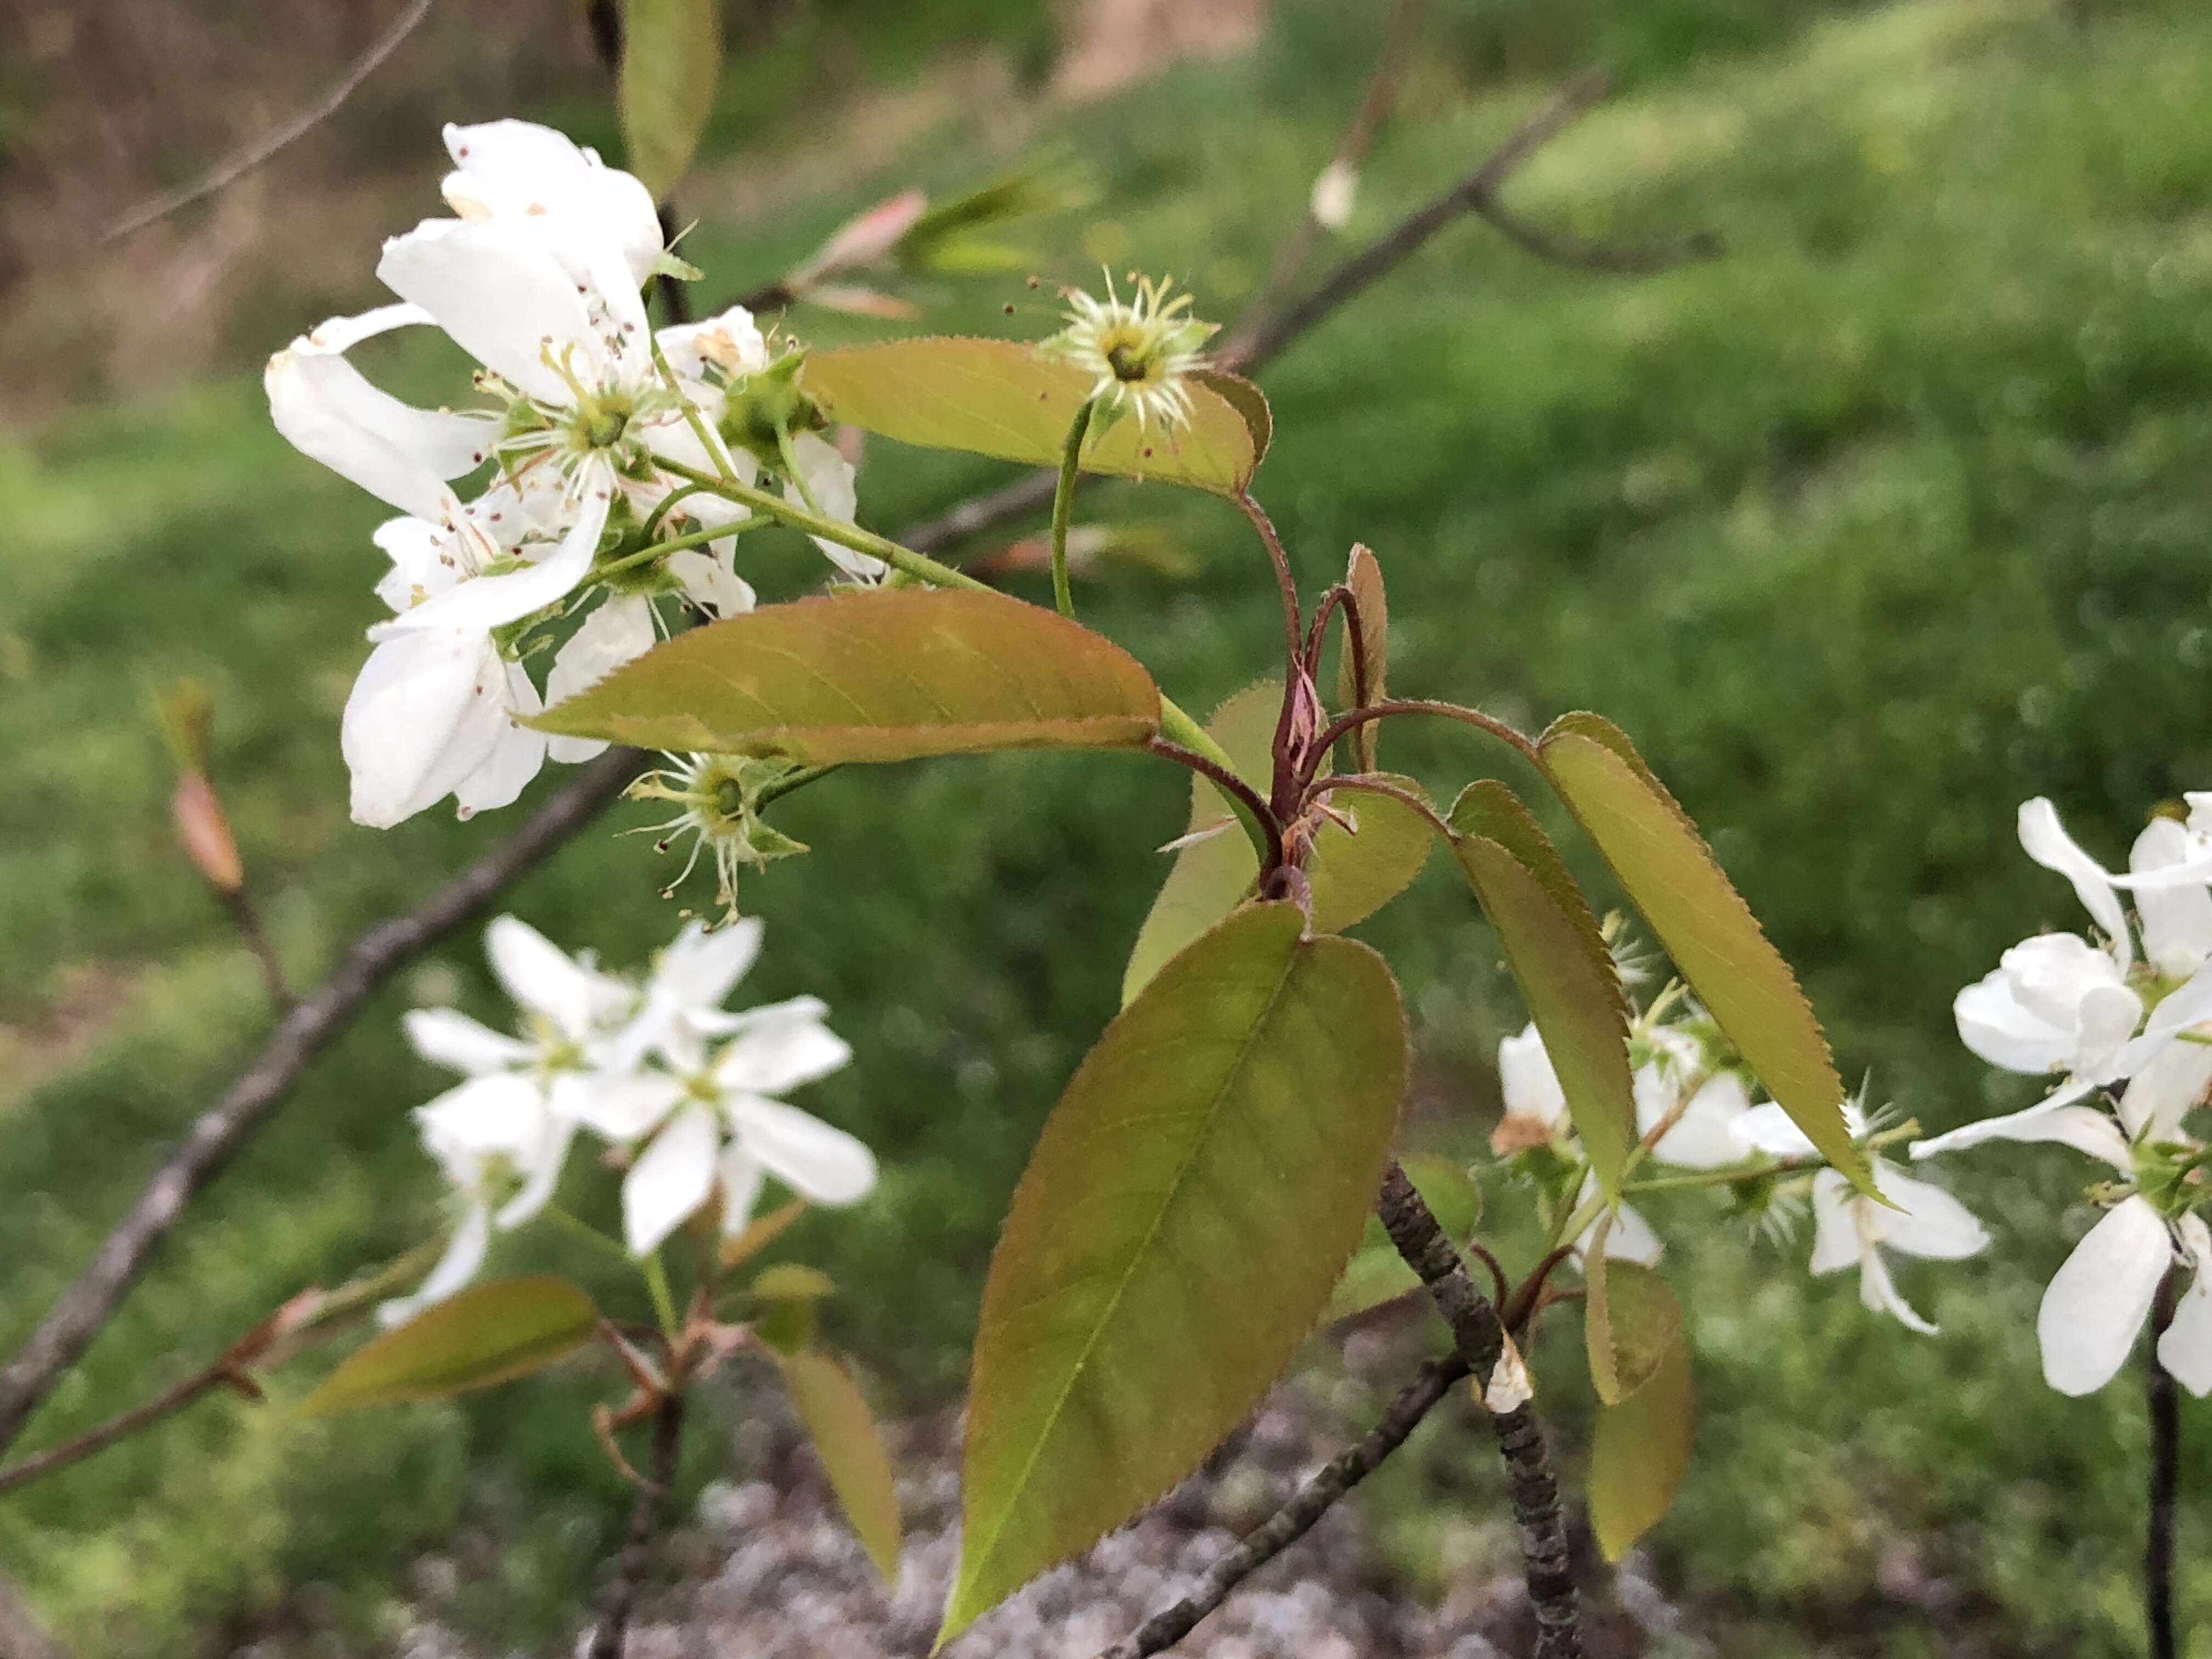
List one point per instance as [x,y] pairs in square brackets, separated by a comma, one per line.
[708,440]
[1063,498]
[676,544]
[664,1304]
[783,785]
[791,468]
[584,1231]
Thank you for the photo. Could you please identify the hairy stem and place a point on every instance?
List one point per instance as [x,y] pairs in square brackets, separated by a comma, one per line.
[634,1560]
[1480,1337]
[1288,1524]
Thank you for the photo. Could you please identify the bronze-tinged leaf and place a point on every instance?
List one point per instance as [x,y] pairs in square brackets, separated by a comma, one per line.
[1363,576]
[490,1332]
[851,1447]
[1667,870]
[1630,1323]
[1640,1453]
[888,674]
[999,398]
[1190,1203]
[1561,963]
[672,63]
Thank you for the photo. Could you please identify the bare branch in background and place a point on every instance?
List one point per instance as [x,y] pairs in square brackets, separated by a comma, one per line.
[242,163]
[1295,1518]
[1375,104]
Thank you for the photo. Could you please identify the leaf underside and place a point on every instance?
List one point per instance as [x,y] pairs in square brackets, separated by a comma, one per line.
[1639,1452]
[851,1447]
[488,1334]
[671,60]
[1189,1206]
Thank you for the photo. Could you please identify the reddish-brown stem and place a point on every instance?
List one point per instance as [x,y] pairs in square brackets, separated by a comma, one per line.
[1226,781]
[1373,786]
[1347,723]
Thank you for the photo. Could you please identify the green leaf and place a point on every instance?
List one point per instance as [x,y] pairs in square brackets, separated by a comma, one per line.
[999,397]
[1630,1322]
[672,61]
[1377,1274]
[887,674]
[1666,868]
[1191,1201]
[1565,971]
[1639,1454]
[1353,875]
[1363,576]
[851,1447]
[488,1334]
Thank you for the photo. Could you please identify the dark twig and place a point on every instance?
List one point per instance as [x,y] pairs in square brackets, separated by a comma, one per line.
[635,1560]
[1616,259]
[1352,149]
[242,163]
[2165,1478]
[247,917]
[76,1319]
[167,1403]
[1481,1341]
[1295,1518]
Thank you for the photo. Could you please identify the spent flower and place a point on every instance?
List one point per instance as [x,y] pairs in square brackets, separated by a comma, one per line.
[1140,352]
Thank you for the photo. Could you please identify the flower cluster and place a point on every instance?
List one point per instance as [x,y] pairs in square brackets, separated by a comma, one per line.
[2122,1020]
[1695,1112]
[587,436]
[684,1092]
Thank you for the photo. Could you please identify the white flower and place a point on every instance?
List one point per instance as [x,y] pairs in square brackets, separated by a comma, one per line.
[1138,352]
[682,1005]
[1334,190]
[1849,1228]
[1702,1135]
[680,1124]
[501,1145]
[2101,1294]
[537,180]
[2054,1003]
[573,1012]
[827,482]
[1536,1113]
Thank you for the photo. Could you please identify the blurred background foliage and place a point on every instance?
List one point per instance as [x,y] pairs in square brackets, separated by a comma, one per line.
[1894,515]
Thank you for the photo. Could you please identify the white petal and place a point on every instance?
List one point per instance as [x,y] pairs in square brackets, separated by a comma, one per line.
[771,1056]
[424,714]
[2100,1296]
[2108,1016]
[699,968]
[1879,1294]
[537,178]
[2166,1091]
[741,1175]
[462,1261]
[338,334]
[398,453]
[711,583]
[2177,1012]
[621,1109]
[1996,1026]
[2185,1347]
[730,342]
[832,480]
[2176,921]
[619,631]
[1526,1080]
[514,759]
[805,1153]
[504,298]
[543,978]
[2083,1128]
[670,1179]
[1769,1129]
[1835,1241]
[488,602]
[502,1112]
[420,566]
[1928,1222]
[542,1162]
[446,1036]
[1704,1136]
[2046,842]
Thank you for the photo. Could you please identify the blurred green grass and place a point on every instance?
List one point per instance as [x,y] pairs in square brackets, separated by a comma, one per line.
[1894,515]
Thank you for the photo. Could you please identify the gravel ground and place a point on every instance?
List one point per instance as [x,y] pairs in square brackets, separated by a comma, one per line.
[771,1572]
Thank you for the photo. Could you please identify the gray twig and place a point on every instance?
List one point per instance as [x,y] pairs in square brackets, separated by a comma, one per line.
[242,163]
[77,1318]
[619,1599]
[1480,1337]
[1295,1518]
